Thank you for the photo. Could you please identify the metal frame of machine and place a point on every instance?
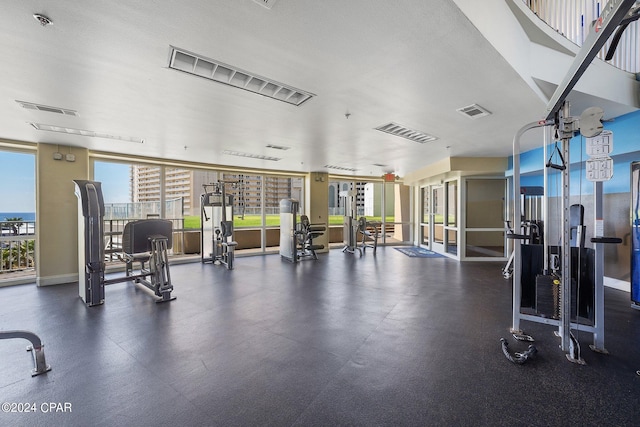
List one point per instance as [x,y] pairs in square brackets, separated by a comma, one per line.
[589,124]
[296,238]
[143,240]
[216,225]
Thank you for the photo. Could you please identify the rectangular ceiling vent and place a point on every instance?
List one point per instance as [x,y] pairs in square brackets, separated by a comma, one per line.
[81,132]
[340,168]
[266,3]
[220,72]
[251,156]
[380,165]
[403,132]
[277,147]
[47,109]
[474,111]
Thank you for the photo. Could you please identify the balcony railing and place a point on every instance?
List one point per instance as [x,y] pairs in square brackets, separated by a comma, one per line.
[17,246]
[573,18]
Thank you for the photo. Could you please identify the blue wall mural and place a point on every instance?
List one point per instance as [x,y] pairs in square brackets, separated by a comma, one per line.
[626,148]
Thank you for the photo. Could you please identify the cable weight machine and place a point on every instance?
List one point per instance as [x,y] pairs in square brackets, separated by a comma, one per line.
[557,114]
[216,224]
[574,263]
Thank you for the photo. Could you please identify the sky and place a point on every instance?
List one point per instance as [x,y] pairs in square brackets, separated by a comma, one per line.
[115,181]
[18,189]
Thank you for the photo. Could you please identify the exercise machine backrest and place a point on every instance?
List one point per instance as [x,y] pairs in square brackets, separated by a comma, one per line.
[226,228]
[136,234]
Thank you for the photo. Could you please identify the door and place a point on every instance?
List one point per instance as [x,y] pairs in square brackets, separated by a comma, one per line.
[437,219]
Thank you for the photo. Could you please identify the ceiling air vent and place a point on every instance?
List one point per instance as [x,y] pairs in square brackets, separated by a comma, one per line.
[474,111]
[48,109]
[220,72]
[403,132]
[266,3]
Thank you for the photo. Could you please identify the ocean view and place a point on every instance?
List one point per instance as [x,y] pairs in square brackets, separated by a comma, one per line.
[27,216]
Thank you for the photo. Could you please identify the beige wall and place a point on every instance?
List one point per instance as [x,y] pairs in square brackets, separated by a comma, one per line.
[402,194]
[57,212]
[317,204]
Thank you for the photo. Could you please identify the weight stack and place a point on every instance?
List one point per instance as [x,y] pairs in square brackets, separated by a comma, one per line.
[548,296]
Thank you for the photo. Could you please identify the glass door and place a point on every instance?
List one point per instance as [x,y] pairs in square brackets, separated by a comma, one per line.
[425,218]
[437,214]
[451,215]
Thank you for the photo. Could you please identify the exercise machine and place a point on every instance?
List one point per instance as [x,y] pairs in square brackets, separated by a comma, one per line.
[143,241]
[216,225]
[369,232]
[570,295]
[36,348]
[350,225]
[590,125]
[296,238]
[147,241]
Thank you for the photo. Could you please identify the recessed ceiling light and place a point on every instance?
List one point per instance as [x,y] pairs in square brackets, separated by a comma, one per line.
[197,65]
[251,156]
[474,111]
[47,108]
[81,132]
[404,132]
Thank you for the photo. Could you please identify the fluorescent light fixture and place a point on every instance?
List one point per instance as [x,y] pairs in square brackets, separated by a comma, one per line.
[47,108]
[197,65]
[340,168]
[251,156]
[404,132]
[81,132]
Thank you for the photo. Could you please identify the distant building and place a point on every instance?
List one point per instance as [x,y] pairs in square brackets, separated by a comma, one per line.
[186,186]
[179,184]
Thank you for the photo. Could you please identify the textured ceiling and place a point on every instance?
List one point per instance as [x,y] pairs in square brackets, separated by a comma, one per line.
[412,62]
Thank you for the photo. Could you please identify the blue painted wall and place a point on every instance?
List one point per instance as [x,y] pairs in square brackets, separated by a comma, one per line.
[626,148]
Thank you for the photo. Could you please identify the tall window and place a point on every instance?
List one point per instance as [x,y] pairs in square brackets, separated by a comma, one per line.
[17,212]
[384,203]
